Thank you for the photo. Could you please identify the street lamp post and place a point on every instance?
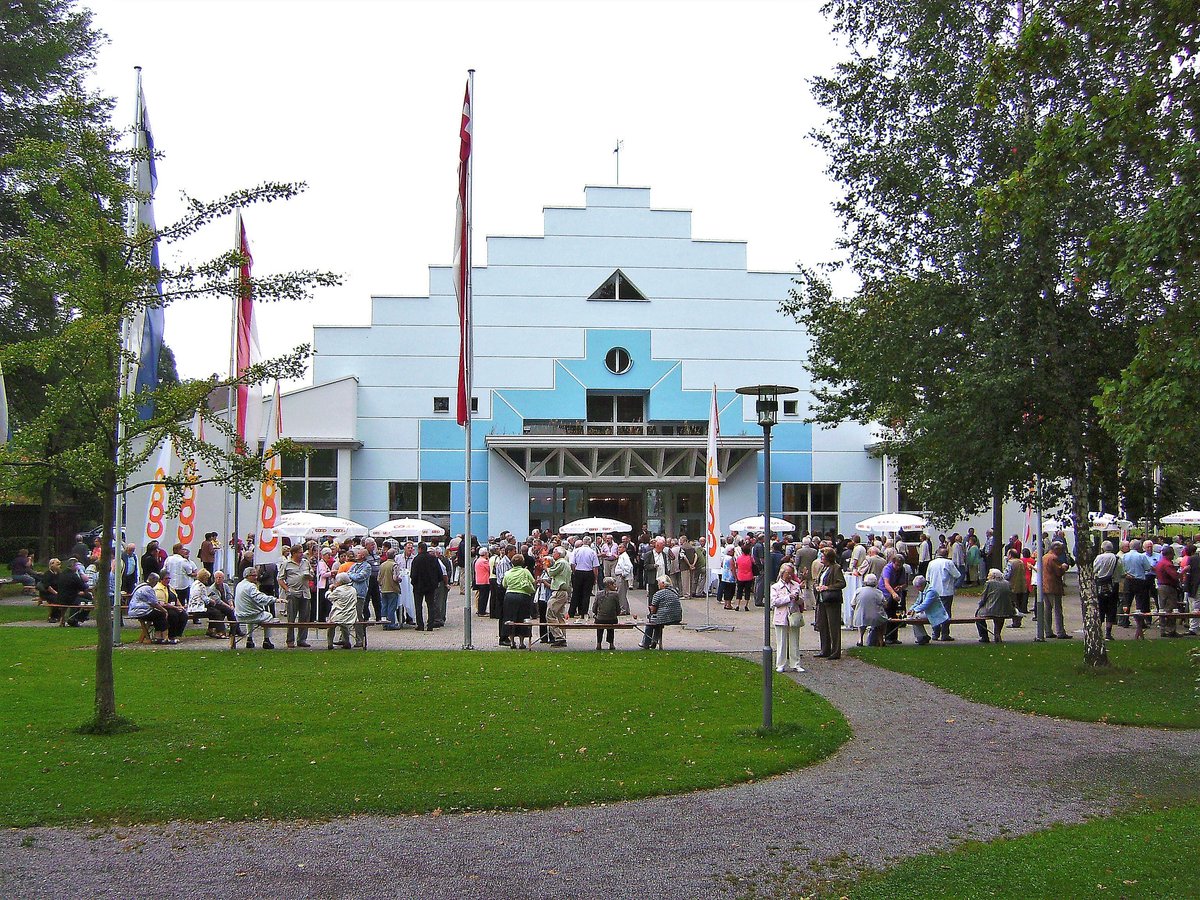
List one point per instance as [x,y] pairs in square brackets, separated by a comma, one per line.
[767,408]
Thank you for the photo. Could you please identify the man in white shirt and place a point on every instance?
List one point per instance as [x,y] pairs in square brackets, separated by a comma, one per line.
[943,577]
[180,570]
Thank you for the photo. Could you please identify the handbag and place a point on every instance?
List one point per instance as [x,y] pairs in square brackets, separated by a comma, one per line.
[796,619]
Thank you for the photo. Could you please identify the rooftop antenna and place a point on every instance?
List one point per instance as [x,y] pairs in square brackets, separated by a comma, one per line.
[617,153]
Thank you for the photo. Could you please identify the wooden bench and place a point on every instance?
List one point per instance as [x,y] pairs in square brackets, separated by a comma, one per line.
[968,620]
[29,590]
[62,620]
[313,626]
[639,625]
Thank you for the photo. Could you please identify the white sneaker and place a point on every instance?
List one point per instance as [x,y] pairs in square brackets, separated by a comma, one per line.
[780,668]
[797,669]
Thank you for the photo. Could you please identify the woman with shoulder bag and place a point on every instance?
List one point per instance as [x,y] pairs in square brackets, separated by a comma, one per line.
[831,582]
[788,617]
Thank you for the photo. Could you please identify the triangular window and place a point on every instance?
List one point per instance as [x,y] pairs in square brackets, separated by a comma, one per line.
[617,286]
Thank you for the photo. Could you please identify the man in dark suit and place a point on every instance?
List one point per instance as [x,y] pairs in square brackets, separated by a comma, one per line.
[654,565]
[426,575]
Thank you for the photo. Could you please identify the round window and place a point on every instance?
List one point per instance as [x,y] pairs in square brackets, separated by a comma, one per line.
[618,360]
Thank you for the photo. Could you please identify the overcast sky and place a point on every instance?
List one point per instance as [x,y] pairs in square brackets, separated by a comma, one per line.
[362,100]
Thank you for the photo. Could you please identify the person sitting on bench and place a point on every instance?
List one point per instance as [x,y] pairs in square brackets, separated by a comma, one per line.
[72,589]
[605,609]
[665,609]
[146,608]
[343,610]
[219,603]
[253,607]
[177,617]
[48,589]
[22,569]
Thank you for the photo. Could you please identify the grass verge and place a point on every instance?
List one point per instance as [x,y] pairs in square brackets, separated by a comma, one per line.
[1148,683]
[319,734]
[1143,854]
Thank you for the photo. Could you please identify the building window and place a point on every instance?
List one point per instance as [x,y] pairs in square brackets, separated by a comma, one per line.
[310,482]
[618,360]
[428,500]
[442,404]
[812,508]
[791,407]
[616,414]
[617,286]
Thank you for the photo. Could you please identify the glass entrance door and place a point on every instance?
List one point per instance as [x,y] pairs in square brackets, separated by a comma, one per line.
[623,507]
[688,506]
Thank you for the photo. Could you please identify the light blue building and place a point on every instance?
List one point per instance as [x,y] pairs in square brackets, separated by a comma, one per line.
[597,346]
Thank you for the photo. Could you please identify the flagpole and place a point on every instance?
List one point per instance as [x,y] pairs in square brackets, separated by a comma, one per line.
[229,529]
[118,543]
[468,365]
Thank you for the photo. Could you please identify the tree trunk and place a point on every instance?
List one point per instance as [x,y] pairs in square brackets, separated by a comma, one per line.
[996,557]
[1094,652]
[45,551]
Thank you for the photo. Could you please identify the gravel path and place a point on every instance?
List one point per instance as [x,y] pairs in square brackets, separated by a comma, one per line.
[905,783]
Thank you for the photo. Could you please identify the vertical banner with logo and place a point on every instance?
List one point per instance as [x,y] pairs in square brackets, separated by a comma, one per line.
[267,546]
[156,513]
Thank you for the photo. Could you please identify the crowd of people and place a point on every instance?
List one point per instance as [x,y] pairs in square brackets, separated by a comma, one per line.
[860,585]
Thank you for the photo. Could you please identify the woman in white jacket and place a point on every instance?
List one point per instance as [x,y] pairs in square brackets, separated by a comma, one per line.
[788,609]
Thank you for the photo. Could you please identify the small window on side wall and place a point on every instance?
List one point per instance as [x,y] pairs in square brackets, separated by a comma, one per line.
[441,404]
[791,407]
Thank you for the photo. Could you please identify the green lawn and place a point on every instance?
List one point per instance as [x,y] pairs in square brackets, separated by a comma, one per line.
[1147,854]
[317,734]
[23,612]
[1149,682]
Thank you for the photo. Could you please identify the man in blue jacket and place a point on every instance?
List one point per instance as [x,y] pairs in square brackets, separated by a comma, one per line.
[929,605]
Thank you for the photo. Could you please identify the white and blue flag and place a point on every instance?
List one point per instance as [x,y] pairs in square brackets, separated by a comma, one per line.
[145,335]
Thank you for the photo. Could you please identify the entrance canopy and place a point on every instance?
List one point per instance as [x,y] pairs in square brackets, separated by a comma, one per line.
[633,458]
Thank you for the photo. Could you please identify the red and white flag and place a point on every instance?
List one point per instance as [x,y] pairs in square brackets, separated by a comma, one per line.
[462,258]
[247,353]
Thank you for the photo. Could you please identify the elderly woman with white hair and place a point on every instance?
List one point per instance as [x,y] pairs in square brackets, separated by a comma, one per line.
[867,611]
[787,606]
[343,610]
[995,604]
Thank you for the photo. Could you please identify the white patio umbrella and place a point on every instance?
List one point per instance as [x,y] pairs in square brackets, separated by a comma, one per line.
[1109,522]
[1185,517]
[406,528]
[755,523]
[891,522]
[303,525]
[596,526]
